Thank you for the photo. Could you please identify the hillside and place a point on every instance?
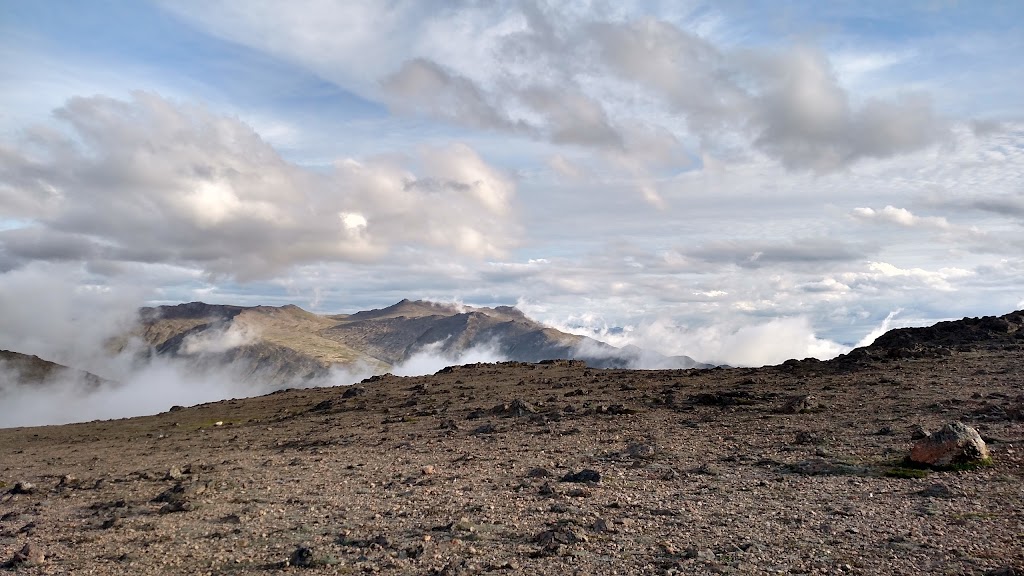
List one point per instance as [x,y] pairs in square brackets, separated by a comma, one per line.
[552,468]
[288,343]
[26,370]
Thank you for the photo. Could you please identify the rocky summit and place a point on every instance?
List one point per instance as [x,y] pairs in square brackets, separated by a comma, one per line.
[555,467]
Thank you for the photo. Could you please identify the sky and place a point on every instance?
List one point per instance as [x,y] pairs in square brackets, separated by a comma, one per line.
[738,181]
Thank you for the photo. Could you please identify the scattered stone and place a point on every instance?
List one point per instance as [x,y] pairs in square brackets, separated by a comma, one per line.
[29,555]
[807,437]
[485,429]
[428,470]
[558,535]
[23,488]
[323,406]
[302,557]
[547,489]
[517,408]
[174,473]
[937,490]
[708,469]
[602,525]
[176,506]
[353,391]
[956,444]
[539,473]
[585,475]
[68,481]
[178,497]
[641,450]
[1005,571]
[800,404]
[110,522]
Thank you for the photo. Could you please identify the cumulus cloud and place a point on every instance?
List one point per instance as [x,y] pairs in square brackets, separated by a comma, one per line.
[573,75]
[901,217]
[154,181]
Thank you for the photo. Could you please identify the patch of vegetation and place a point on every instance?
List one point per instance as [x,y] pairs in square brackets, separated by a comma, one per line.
[968,466]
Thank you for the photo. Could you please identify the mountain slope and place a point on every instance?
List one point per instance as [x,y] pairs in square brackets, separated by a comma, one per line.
[27,370]
[289,343]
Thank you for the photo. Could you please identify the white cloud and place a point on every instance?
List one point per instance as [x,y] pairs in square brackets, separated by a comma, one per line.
[149,180]
[902,217]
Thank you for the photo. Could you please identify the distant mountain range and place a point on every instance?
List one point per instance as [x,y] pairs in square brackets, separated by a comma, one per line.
[289,343]
[28,370]
[285,345]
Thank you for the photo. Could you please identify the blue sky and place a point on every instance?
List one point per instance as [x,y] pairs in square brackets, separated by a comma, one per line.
[707,176]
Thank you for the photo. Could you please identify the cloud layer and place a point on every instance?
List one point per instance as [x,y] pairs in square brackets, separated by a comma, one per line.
[155,181]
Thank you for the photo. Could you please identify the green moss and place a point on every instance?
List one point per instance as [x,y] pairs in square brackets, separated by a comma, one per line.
[968,466]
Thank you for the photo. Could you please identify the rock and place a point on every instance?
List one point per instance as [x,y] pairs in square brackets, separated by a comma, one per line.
[558,535]
[428,470]
[110,522]
[485,429]
[641,450]
[585,475]
[68,481]
[353,391]
[302,557]
[178,497]
[956,444]
[538,473]
[23,488]
[29,555]
[917,432]
[936,490]
[174,473]
[800,404]
[807,437]
[516,407]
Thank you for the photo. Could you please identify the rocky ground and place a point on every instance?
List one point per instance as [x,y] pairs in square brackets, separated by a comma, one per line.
[545,469]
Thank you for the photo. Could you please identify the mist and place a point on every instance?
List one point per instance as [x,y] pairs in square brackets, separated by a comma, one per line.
[728,343]
[83,326]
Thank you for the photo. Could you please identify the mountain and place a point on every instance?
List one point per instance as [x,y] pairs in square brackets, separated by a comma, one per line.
[27,370]
[289,343]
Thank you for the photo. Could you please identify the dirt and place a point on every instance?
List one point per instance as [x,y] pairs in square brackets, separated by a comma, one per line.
[540,469]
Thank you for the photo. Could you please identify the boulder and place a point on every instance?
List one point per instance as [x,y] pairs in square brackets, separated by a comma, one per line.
[956,444]
[29,555]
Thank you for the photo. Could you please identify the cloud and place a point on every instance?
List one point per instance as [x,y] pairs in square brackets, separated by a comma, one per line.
[756,254]
[901,217]
[218,340]
[805,119]
[581,76]
[423,86]
[153,181]
[431,358]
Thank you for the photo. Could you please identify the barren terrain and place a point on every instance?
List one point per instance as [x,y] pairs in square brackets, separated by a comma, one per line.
[552,468]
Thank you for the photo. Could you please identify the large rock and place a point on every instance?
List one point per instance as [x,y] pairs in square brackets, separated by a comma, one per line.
[956,444]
